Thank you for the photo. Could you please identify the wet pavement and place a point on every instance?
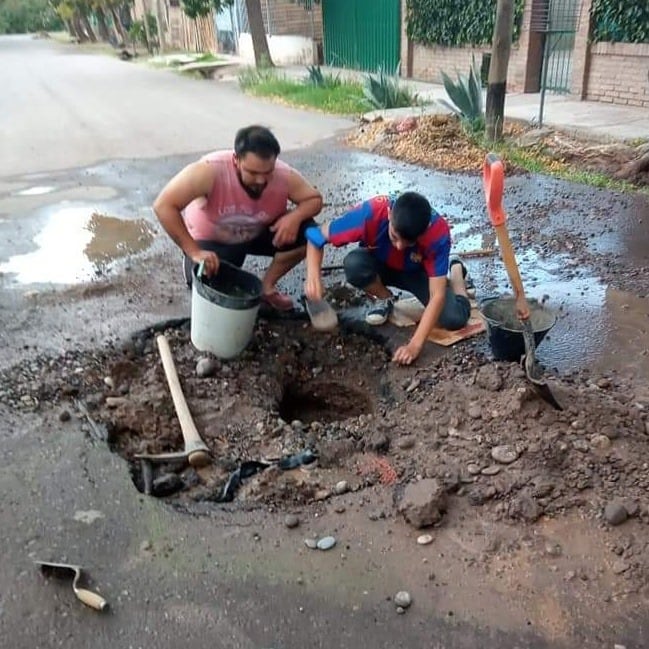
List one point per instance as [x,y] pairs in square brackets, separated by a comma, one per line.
[567,238]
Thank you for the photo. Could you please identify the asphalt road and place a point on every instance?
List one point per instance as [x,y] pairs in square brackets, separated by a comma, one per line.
[61,109]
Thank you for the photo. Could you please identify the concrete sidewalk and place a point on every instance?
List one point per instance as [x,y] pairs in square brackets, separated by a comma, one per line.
[588,118]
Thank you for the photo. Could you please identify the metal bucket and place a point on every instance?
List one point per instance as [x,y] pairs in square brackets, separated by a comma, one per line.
[505,330]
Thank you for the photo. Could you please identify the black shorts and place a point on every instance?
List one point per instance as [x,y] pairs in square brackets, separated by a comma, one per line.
[261,246]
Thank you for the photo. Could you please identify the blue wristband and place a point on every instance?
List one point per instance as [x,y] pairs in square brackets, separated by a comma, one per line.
[314,235]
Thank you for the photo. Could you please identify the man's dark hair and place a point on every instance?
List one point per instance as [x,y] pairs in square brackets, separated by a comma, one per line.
[258,140]
[411,215]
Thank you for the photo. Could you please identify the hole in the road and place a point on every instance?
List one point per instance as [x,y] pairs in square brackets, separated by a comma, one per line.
[324,401]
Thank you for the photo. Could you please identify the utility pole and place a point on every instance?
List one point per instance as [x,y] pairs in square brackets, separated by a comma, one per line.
[497,85]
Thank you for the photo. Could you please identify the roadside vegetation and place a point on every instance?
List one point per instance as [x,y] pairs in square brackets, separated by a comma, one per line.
[327,92]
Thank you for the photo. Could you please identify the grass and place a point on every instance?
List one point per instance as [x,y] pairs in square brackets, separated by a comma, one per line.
[537,162]
[335,96]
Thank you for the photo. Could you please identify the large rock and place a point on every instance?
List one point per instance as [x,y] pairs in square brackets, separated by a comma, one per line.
[423,503]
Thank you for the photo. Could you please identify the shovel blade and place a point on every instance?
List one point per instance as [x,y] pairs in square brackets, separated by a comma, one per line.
[322,315]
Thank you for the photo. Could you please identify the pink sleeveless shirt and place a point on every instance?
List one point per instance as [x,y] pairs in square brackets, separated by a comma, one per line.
[228,214]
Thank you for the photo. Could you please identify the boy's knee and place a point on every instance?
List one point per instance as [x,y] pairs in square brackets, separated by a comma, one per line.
[359,268]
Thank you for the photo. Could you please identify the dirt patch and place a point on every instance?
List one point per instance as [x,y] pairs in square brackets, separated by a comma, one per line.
[438,141]
[317,409]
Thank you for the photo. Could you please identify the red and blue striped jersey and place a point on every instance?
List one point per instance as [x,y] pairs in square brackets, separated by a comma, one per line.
[367,224]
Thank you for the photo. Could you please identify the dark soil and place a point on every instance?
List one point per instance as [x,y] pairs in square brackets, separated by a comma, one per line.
[368,421]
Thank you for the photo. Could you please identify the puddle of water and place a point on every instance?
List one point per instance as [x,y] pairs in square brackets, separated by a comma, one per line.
[75,243]
[36,191]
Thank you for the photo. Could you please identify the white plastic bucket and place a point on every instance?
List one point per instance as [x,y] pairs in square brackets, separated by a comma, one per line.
[224,310]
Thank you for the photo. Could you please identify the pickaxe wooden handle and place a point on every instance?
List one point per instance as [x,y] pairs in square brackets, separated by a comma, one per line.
[197,452]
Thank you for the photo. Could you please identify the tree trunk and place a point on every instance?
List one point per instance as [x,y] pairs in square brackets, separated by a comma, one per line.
[147,33]
[102,25]
[81,35]
[118,24]
[88,28]
[258,34]
[497,86]
[162,26]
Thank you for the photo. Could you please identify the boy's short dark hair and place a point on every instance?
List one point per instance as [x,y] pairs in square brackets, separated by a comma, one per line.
[411,215]
[258,140]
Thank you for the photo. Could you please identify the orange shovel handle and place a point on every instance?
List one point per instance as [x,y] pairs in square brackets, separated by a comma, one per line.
[493,177]
[493,180]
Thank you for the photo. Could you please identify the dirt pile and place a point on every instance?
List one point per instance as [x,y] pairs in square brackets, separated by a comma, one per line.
[470,423]
[438,141]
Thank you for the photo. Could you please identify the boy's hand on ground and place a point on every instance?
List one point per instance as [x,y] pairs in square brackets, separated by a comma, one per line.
[285,229]
[313,288]
[406,354]
[210,258]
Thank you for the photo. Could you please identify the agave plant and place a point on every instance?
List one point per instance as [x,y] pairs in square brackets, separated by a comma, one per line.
[466,95]
[385,91]
[315,78]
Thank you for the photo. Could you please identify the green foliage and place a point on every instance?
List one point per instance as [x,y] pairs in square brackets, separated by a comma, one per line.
[137,33]
[385,91]
[195,8]
[620,21]
[339,97]
[317,78]
[453,23]
[24,16]
[466,95]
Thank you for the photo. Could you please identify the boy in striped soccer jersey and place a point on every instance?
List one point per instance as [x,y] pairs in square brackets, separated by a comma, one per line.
[403,243]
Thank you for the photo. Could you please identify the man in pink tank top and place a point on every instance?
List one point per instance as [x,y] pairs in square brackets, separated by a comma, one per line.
[231,204]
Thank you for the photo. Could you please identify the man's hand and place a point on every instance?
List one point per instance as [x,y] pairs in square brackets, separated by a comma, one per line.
[313,287]
[211,261]
[406,354]
[285,229]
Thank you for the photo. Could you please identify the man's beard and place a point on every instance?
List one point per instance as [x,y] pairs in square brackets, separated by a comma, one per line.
[255,191]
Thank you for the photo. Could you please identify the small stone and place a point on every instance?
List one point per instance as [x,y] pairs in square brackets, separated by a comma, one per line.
[619,646]
[620,567]
[413,385]
[145,546]
[425,539]
[615,513]
[604,383]
[108,380]
[326,543]
[312,544]
[291,521]
[341,487]
[492,469]
[340,509]
[473,469]
[475,412]
[423,503]
[400,610]
[504,454]
[406,442]
[553,549]
[166,485]
[205,367]
[403,599]
[631,506]
[64,416]
[600,443]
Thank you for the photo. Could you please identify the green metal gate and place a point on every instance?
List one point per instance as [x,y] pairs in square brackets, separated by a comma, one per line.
[362,34]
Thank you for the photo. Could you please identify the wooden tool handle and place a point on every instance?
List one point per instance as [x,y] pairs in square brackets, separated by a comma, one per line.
[493,177]
[195,447]
[91,599]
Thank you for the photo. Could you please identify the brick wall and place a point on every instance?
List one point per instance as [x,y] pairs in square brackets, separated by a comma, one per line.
[619,73]
[283,18]
[426,63]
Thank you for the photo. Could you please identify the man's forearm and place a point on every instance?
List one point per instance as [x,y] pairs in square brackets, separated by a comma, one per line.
[172,221]
[307,209]
[314,258]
